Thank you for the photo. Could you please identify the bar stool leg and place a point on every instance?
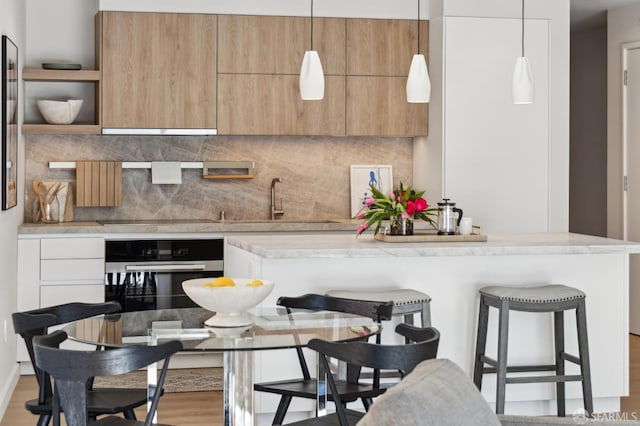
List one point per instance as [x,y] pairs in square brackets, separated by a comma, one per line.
[503,340]
[426,315]
[583,348]
[558,332]
[481,342]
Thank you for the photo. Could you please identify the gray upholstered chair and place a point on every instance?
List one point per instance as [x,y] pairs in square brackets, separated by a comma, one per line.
[438,392]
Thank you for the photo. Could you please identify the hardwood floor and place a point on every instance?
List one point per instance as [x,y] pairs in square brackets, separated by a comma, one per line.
[205,408]
[185,408]
[631,404]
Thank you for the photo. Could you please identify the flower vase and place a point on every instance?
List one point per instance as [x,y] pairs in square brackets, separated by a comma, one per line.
[401,226]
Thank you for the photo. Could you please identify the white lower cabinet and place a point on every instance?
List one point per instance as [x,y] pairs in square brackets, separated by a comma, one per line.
[53,271]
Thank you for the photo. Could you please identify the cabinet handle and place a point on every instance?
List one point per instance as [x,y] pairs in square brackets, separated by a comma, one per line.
[153,268]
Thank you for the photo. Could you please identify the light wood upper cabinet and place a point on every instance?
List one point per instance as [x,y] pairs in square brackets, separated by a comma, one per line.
[276,44]
[259,104]
[158,70]
[377,106]
[383,46]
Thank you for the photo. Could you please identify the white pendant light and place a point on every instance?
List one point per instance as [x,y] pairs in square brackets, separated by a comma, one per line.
[522,89]
[418,83]
[311,73]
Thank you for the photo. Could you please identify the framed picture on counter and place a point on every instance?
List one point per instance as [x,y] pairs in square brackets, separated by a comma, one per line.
[9,123]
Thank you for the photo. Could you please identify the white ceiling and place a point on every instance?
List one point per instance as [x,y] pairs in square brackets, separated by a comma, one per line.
[592,13]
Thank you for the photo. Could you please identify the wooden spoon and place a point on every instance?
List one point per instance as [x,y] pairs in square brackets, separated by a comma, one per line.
[41,190]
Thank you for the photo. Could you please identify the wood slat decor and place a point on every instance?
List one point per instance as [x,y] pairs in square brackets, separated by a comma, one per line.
[98,183]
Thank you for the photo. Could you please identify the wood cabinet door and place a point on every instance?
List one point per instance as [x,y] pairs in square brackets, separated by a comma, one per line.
[259,104]
[159,70]
[383,46]
[378,106]
[276,44]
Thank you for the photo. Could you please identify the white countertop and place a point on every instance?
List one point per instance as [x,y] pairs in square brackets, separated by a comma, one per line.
[346,245]
[177,227]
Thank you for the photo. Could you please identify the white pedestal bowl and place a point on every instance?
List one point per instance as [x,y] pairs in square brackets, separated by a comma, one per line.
[229,303]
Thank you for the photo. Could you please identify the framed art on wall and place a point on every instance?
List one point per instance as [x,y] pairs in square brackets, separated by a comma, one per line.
[9,123]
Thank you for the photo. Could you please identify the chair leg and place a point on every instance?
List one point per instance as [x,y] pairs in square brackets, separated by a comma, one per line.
[408,319]
[583,348]
[130,414]
[366,403]
[503,340]
[44,420]
[481,343]
[283,406]
[558,326]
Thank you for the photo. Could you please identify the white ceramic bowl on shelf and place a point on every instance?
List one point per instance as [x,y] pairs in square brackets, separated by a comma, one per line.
[229,303]
[59,112]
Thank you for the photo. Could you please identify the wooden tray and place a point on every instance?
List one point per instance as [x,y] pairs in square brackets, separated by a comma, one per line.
[430,237]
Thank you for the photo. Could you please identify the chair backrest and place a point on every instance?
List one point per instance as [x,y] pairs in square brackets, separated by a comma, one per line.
[72,369]
[36,323]
[403,357]
[377,311]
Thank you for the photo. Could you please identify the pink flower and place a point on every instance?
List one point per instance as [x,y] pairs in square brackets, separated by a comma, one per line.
[362,227]
[360,214]
[369,201]
[404,216]
[421,204]
[392,196]
[411,208]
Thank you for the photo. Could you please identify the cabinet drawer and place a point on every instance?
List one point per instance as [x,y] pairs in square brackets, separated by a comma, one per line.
[72,248]
[72,269]
[51,295]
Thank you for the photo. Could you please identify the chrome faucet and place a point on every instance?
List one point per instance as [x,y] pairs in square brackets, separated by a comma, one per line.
[274,211]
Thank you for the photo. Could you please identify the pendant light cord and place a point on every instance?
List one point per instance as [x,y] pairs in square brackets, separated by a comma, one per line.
[418,26]
[522,28]
[312,24]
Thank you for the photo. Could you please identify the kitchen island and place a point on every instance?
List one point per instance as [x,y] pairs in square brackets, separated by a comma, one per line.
[452,273]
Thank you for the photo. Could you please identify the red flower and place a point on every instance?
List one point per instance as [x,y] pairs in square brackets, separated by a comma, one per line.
[421,204]
[411,208]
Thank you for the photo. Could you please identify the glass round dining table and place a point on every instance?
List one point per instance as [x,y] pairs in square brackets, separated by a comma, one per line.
[271,329]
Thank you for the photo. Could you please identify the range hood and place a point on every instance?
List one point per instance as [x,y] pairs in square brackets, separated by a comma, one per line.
[161,132]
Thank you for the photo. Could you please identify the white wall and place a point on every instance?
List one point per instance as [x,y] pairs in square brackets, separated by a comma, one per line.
[398,9]
[12,24]
[622,27]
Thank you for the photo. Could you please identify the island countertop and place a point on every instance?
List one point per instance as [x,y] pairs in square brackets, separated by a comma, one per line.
[453,273]
[348,246]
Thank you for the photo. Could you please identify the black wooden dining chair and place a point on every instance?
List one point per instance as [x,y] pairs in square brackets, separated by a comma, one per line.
[71,369]
[350,389]
[101,401]
[403,358]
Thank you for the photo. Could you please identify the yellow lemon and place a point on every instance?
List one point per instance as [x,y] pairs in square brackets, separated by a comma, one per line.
[220,282]
[255,283]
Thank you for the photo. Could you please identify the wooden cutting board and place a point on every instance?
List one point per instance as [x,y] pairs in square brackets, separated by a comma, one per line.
[98,183]
[430,237]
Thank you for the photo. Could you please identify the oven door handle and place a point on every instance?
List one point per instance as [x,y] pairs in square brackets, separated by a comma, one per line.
[164,268]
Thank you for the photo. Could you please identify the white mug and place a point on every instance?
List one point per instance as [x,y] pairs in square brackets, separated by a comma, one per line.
[466,226]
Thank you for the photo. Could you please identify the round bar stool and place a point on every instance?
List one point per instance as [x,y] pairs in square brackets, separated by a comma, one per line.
[406,302]
[547,298]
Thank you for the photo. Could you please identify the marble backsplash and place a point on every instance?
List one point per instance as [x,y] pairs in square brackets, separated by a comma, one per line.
[315,173]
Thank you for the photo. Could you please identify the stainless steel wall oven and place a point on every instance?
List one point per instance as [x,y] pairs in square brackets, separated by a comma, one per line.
[148,274]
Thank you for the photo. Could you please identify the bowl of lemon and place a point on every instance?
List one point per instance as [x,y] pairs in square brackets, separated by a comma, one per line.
[229,298]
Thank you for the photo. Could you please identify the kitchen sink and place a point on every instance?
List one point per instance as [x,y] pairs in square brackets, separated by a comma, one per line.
[283,221]
[152,221]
